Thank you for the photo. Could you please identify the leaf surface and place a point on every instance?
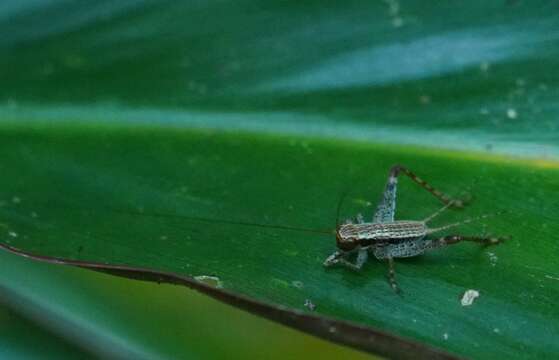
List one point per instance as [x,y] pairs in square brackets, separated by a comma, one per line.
[162,140]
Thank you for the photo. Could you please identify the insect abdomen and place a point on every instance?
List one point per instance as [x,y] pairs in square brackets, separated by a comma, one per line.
[403,248]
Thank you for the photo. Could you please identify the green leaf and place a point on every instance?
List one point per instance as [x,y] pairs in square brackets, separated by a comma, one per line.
[80,314]
[117,196]
[172,129]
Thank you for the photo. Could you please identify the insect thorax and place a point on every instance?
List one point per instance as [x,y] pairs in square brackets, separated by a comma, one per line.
[351,235]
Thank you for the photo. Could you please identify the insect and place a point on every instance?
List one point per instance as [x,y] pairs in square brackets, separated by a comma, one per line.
[388,239]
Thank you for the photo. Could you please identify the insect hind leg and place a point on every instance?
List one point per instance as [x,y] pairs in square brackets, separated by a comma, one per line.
[387,206]
[445,199]
[386,209]
[484,240]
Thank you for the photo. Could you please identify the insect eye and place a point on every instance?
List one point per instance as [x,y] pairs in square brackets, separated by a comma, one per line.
[345,243]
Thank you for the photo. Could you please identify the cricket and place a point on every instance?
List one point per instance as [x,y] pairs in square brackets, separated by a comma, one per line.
[388,239]
[384,237]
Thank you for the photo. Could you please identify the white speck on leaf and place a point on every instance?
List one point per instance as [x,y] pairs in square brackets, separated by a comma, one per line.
[445,336]
[209,280]
[309,304]
[511,113]
[394,13]
[12,234]
[425,99]
[16,200]
[492,258]
[469,297]
[298,284]
[397,22]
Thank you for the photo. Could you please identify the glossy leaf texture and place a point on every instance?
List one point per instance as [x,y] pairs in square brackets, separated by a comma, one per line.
[157,134]
[22,338]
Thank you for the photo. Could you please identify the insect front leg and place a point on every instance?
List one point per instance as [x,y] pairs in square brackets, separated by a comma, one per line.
[362,256]
[333,259]
[341,258]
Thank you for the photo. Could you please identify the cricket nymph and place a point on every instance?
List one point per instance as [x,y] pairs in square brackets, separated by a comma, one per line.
[366,234]
[396,239]
[387,238]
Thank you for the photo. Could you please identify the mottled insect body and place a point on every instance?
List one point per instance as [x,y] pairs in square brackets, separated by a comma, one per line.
[387,238]
[368,233]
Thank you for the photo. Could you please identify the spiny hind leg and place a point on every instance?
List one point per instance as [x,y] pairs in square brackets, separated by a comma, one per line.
[392,276]
[445,199]
[387,206]
[484,240]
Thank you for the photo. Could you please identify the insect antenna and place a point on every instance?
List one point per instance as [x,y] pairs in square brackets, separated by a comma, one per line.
[131,212]
[339,208]
[467,221]
[221,221]
[438,212]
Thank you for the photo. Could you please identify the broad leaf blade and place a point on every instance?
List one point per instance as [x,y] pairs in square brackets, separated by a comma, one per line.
[128,196]
[119,145]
